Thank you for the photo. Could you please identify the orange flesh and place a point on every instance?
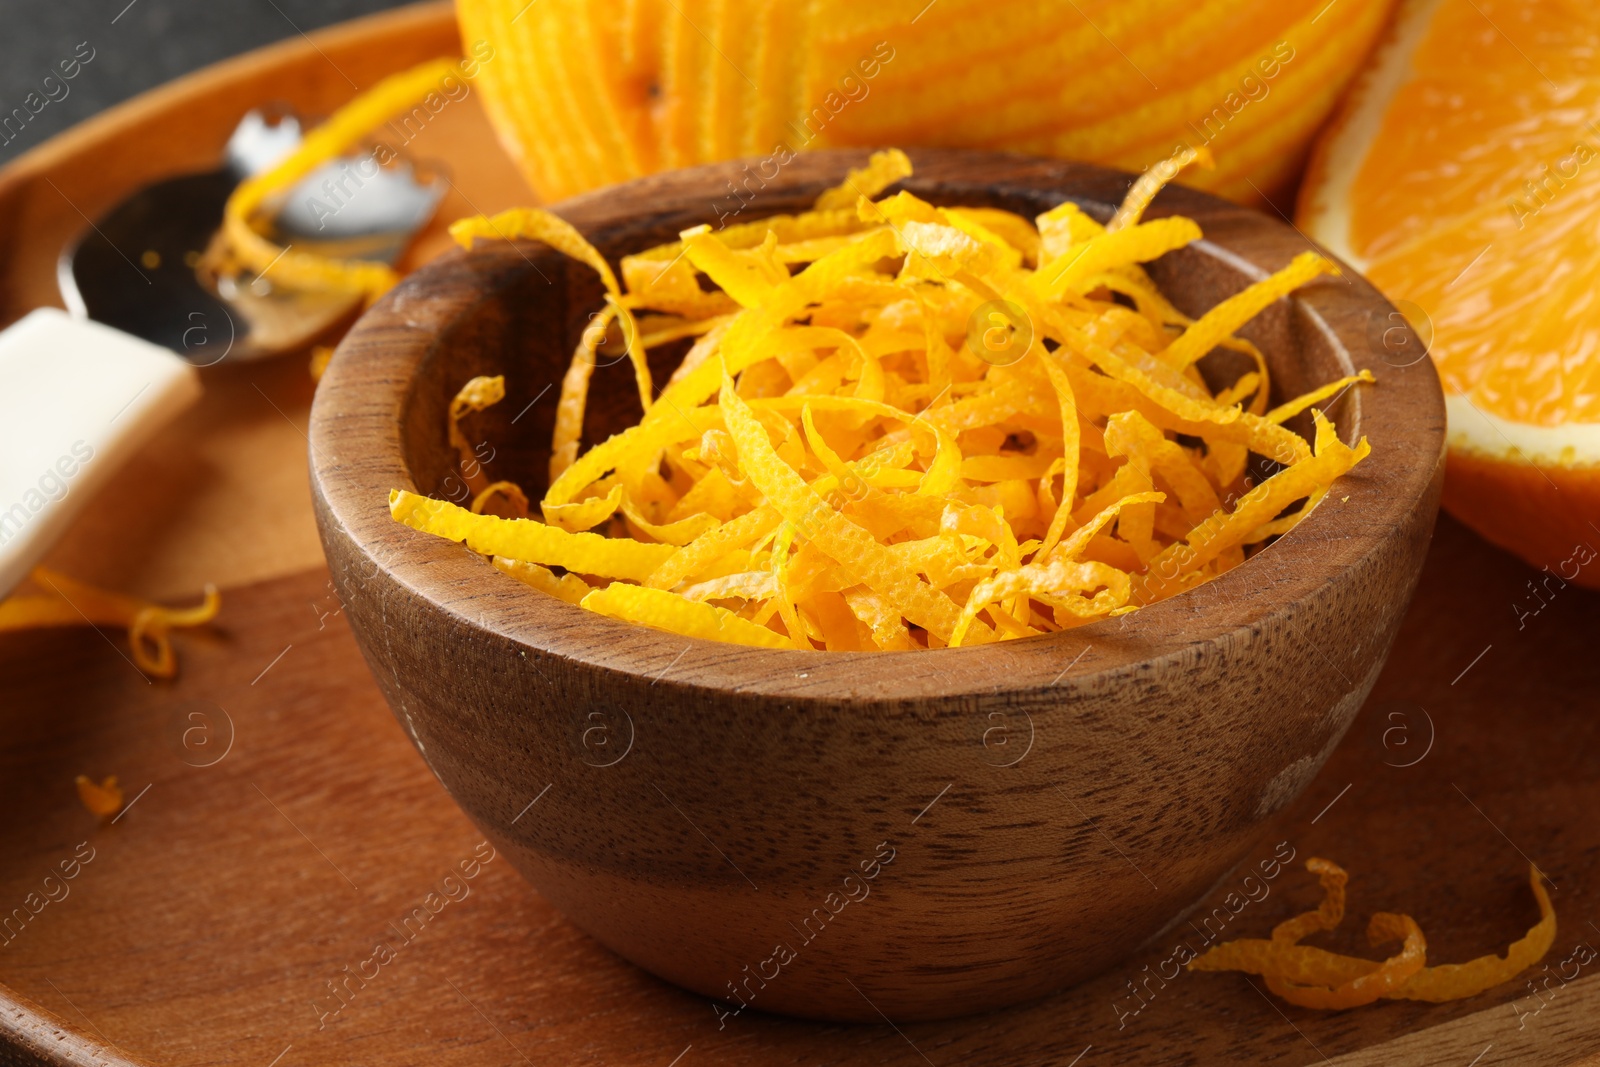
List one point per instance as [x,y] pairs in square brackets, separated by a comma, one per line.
[1478,200]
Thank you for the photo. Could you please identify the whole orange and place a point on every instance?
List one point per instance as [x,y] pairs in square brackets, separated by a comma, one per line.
[586,93]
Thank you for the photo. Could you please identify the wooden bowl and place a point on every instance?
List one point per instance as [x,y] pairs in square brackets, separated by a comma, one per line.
[855,836]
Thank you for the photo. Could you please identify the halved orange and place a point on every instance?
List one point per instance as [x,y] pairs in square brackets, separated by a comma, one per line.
[1462,175]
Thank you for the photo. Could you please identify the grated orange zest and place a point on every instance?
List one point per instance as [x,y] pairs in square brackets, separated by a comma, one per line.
[834,465]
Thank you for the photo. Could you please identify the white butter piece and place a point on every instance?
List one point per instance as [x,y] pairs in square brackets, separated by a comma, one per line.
[77,398]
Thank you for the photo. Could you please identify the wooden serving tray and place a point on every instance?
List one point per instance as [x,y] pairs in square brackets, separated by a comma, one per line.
[281,827]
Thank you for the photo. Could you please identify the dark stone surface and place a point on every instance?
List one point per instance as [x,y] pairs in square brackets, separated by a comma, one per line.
[135,47]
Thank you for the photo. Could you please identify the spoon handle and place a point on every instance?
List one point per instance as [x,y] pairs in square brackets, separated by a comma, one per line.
[77,399]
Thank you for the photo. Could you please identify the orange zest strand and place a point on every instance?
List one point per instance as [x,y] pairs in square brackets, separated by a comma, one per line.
[516,501]
[101,798]
[1316,978]
[477,394]
[528,539]
[1206,332]
[880,172]
[850,457]
[241,221]
[63,601]
[1148,184]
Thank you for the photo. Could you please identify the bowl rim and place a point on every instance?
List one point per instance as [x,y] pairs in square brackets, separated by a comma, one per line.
[360,403]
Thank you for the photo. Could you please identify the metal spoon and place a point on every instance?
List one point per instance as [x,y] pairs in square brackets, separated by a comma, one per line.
[80,393]
[162,232]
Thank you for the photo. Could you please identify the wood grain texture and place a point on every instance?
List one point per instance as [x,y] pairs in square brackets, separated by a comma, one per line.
[215,913]
[208,922]
[763,783]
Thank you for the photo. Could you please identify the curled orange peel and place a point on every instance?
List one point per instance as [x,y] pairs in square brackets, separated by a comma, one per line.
[1316,978]
[243,225]
[63,601]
